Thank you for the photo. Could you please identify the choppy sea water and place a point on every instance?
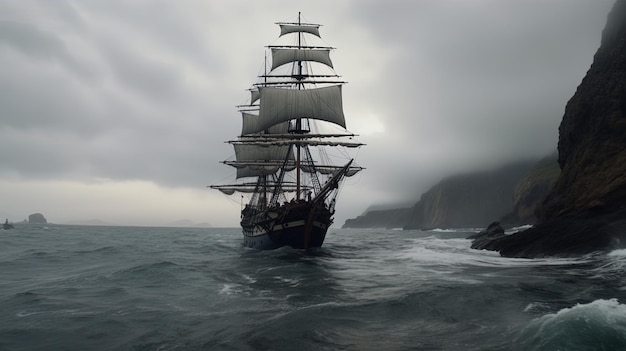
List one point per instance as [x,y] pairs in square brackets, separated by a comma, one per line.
[142,288]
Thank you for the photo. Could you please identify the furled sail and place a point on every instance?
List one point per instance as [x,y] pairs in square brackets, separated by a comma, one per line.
[301,142]
[281,105]
[283,56]
[327,169]
[299,28]
[252,187]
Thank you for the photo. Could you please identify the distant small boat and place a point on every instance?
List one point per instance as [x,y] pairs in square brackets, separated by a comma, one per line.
[7,225]
[282,147]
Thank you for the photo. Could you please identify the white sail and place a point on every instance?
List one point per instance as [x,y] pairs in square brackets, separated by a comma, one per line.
[278,129]
[254,96]
[295,28]
[249,123]
[283,56]
[281,153]
[281,105]
[254,153]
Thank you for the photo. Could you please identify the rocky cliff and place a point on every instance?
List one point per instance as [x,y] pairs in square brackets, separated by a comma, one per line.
[530,192]
[37,218]
[586,208]
[463,200]
[592,135]
[468,200]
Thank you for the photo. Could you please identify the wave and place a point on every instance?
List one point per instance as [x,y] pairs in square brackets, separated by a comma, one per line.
[455,230]
[441,230]
[453,252]
[148,272]
[621,253]
[599,325]
[518,229]
[610,268]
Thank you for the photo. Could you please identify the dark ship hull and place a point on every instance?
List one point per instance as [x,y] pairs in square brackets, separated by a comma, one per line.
[300,225]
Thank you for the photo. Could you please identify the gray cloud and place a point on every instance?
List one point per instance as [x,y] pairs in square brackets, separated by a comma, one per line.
[146,91]
[477,83]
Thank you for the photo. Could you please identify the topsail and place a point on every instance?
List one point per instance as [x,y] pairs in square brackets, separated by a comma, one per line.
[293,117]
[280,105]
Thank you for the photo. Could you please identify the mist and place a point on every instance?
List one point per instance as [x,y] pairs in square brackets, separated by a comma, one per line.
[118,111]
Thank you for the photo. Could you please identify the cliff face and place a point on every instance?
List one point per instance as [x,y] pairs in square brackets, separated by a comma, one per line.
[592,135]
[469,200]
[394,218]
[532,190]
[586,208]
[465,200]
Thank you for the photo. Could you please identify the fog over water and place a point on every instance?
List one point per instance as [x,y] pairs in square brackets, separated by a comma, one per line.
[118,110]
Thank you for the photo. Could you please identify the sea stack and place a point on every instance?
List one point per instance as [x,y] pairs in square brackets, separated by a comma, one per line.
[586,209]
[37,218]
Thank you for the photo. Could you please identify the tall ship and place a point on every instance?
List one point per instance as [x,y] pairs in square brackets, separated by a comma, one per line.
[294,150]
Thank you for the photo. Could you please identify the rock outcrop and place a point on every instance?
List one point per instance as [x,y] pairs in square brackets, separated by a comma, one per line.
[532,190]
[37,218]
[393,218]
[586,209]
[483,239]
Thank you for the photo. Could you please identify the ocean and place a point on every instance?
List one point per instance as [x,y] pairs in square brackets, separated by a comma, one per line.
[147,288]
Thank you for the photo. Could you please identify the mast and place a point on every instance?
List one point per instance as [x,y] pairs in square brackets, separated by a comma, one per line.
[276,142]
[299,120]
[263,178]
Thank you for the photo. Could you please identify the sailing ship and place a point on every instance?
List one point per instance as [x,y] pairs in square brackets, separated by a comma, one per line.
[293,134]
[7,225]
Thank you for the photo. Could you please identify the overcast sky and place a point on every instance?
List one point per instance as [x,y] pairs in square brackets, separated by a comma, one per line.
[117,110]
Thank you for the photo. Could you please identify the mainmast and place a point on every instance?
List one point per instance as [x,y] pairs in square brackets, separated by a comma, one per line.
[299,120]
[276,141]
[263,178]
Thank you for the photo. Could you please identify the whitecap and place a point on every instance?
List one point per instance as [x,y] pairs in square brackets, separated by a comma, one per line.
[518,229]
[535,307]
[452,252]
[249,279]
[229,289]
[612,267]
[441,230]
[290,281]
[22,314]
[455,230]
[600,324]
[617,253]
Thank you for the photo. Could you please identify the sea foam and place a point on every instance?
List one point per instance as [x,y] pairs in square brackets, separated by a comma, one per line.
[599,325]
